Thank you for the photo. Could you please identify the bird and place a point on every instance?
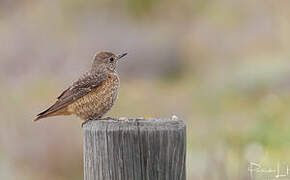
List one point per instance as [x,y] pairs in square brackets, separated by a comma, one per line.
[93,94]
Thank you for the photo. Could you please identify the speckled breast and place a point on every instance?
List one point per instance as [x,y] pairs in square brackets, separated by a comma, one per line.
[99,101]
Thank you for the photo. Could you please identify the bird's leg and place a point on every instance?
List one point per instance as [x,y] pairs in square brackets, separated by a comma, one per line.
[85,122]
[89,119]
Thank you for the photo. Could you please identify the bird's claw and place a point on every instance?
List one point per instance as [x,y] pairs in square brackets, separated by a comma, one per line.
[89,119]
[85,122]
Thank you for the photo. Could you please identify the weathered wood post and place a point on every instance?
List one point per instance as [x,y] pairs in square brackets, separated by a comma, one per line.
[152,149]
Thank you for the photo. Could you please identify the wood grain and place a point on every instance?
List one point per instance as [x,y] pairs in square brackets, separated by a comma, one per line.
[152,149]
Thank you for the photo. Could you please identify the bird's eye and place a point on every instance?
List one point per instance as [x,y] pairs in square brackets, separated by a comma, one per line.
[111,59]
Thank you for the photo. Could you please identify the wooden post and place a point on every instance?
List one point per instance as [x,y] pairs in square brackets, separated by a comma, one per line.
[152,149]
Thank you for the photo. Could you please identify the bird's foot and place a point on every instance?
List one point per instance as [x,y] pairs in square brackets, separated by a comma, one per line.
[89,119]
[85,122]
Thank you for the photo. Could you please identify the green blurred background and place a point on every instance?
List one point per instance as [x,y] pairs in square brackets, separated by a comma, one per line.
[221,65]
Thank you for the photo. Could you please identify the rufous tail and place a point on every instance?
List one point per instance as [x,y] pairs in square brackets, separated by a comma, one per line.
[48,113]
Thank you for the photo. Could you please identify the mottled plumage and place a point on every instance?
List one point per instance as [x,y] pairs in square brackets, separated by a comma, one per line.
[93,94]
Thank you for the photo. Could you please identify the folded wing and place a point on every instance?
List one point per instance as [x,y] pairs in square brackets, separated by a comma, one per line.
[78,89]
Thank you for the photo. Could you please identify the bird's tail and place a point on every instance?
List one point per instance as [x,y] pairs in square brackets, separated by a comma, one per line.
[49,113]
[41,117]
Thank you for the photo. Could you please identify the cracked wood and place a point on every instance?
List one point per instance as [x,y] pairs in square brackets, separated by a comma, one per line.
[152,149]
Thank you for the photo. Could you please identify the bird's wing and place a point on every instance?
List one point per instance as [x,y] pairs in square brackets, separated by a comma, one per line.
[77,90]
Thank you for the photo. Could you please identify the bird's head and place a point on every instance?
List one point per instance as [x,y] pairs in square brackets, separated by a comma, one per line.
[106,61]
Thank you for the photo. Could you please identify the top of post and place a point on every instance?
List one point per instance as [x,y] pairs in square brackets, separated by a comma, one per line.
[153,123]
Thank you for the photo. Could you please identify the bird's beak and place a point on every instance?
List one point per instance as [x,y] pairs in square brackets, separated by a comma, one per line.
[122,55]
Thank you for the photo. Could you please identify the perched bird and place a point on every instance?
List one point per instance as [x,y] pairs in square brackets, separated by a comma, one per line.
[93,94]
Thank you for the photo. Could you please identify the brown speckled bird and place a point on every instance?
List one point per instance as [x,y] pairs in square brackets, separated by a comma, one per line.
[93,94]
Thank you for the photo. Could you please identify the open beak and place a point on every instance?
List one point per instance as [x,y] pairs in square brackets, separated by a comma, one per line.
[122,55]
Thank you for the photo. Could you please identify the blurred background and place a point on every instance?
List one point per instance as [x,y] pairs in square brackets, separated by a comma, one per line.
[220,65]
